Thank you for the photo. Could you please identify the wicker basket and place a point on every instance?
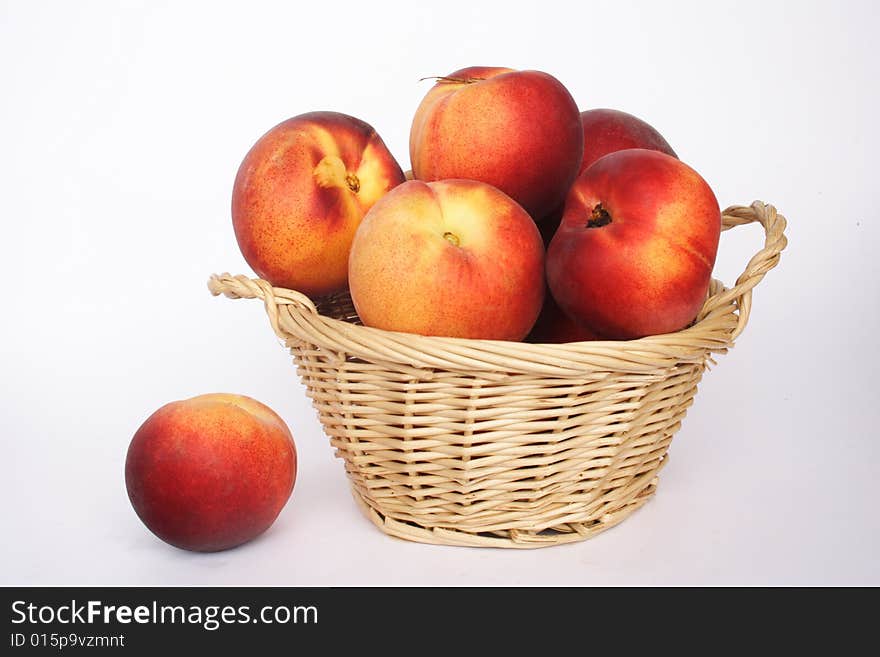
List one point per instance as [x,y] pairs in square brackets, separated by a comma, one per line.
[503,444]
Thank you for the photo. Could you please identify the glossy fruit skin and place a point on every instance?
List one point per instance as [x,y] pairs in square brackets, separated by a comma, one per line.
[634,253]
[211,472]
[454,258]
[610,130]
[519,131]
[300,194]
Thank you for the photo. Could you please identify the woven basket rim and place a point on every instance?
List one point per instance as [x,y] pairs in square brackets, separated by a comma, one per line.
[439,341]
[294,316]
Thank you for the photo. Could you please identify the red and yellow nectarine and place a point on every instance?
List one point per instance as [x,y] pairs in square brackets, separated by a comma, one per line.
[455,258]
[210,472]
[519,131]
[300,194]
[609,130]
[634,253]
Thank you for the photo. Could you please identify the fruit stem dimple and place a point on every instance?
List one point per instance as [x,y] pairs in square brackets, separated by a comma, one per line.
[331,172]
[452,237]
[599,217]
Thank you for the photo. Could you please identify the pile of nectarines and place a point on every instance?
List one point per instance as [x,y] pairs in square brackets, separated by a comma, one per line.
[524,218]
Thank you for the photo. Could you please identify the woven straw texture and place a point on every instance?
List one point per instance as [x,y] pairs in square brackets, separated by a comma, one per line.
[503,444]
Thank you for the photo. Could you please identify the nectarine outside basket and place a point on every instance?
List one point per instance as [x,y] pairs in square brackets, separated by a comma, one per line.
[503,444]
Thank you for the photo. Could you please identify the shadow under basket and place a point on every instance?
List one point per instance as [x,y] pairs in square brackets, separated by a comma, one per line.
[503,444]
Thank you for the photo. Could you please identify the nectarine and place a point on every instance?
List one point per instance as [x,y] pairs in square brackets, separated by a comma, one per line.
[609,130]
[519,131]
[453,258]
[554,326]
[210,472]
[300,194]
[634,253]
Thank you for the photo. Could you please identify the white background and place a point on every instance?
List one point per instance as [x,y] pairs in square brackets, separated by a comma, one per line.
[122,126]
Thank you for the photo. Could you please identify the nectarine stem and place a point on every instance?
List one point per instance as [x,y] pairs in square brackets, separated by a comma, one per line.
[446,78]
[599,217]
[453,238]
[353,183]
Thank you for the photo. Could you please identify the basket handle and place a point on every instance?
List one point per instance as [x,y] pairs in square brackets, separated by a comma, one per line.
[242,287]
[762,262]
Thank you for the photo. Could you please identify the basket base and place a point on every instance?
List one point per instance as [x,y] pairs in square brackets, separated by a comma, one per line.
[518,539]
